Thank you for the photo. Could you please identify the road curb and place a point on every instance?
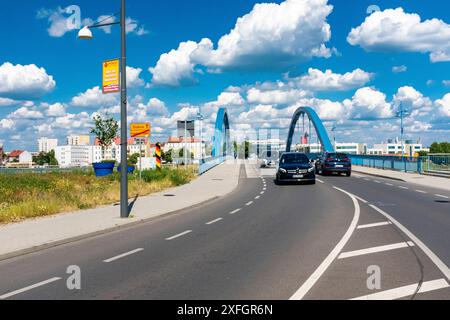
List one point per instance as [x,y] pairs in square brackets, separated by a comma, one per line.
[379,175]
[125,226]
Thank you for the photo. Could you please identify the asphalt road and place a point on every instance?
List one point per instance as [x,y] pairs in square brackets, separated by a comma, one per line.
[261,242]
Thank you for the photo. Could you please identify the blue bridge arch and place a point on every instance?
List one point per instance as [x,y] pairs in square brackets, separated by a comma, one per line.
[318,125]
[221,139]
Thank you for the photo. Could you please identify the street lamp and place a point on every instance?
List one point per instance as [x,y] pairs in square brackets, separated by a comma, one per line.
[85,33]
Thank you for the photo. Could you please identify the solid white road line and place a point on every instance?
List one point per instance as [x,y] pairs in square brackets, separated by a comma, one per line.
[441,196]
[235,211]
[179,235]
[376,250]
[320,181]
[436,260]
[34,286]
[374,225]
[249,203]
[306,287]
[404,188]
[406,291]
[126,254]
[361,199]
[421,191]
[214,221]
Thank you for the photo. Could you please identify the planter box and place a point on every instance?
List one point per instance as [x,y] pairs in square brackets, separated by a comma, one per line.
[130,169]
[104,169]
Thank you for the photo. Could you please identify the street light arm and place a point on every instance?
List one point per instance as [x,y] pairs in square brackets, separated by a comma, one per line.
[103,25]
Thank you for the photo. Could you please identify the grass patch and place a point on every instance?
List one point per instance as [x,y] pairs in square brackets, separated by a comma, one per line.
[30,195]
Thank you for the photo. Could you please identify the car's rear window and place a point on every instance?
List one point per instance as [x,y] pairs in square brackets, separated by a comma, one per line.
[340,156]
[294,158]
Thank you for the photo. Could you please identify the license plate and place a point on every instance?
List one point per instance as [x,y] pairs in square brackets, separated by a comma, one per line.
[339,166]
[298,176]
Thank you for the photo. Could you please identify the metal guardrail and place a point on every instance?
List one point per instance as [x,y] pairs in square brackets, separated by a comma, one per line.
[432,164]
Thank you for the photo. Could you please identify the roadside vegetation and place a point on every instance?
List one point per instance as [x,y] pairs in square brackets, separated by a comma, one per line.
[31,195]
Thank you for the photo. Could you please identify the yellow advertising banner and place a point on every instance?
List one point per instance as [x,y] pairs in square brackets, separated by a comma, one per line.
[140,130]
[111,76]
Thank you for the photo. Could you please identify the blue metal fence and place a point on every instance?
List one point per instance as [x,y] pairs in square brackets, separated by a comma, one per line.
[210,163]
[405,164]
[432,164]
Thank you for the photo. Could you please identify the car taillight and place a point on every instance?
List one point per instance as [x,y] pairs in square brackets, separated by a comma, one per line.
[329,159]
[346,160]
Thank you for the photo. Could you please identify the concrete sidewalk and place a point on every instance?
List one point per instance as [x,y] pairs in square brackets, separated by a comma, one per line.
[33,235]
[427,181]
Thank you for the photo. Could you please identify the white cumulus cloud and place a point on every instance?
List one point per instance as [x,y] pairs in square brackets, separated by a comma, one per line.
[94,98]
[316,80]
[24,81]
[270,36]
[395,30]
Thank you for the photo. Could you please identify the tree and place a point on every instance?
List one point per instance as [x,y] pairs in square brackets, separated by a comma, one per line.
[106,131]
[46,159]
[134,159]
[437,147]
[167,156]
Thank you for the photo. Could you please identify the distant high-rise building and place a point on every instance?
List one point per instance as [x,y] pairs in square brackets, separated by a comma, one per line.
[78,140]
[46,145]
[188,126]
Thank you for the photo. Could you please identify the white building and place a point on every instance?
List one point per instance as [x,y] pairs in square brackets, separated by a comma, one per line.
[46,145]
[78,140]
[395,148]
[192,145]
[349,148]
[78,156]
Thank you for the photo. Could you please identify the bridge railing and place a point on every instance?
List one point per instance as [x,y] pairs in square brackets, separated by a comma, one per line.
[398,163]
[432,164]
[210,163]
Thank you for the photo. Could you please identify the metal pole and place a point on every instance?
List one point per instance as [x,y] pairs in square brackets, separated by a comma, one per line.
[185,143]
[123,117]
[140,160]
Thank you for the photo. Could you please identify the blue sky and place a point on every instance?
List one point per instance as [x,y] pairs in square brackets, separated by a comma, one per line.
[270,62]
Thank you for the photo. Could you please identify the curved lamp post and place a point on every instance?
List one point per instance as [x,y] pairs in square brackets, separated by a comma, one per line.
[86,33]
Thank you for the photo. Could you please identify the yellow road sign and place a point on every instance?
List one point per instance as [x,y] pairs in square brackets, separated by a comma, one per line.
[140,130]
[111,76]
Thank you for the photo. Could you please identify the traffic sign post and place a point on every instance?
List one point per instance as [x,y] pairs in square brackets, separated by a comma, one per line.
[140,130]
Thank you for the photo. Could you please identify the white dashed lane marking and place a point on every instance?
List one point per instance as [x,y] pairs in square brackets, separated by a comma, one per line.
[406,291]
[441,196]
[249,203]
[235,211]
[374,225]
[34,286]
[123,255]
[376,250]
[214,221]
[179,235]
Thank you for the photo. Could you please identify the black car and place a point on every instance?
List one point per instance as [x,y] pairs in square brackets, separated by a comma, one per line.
[295,167]
[329,163]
